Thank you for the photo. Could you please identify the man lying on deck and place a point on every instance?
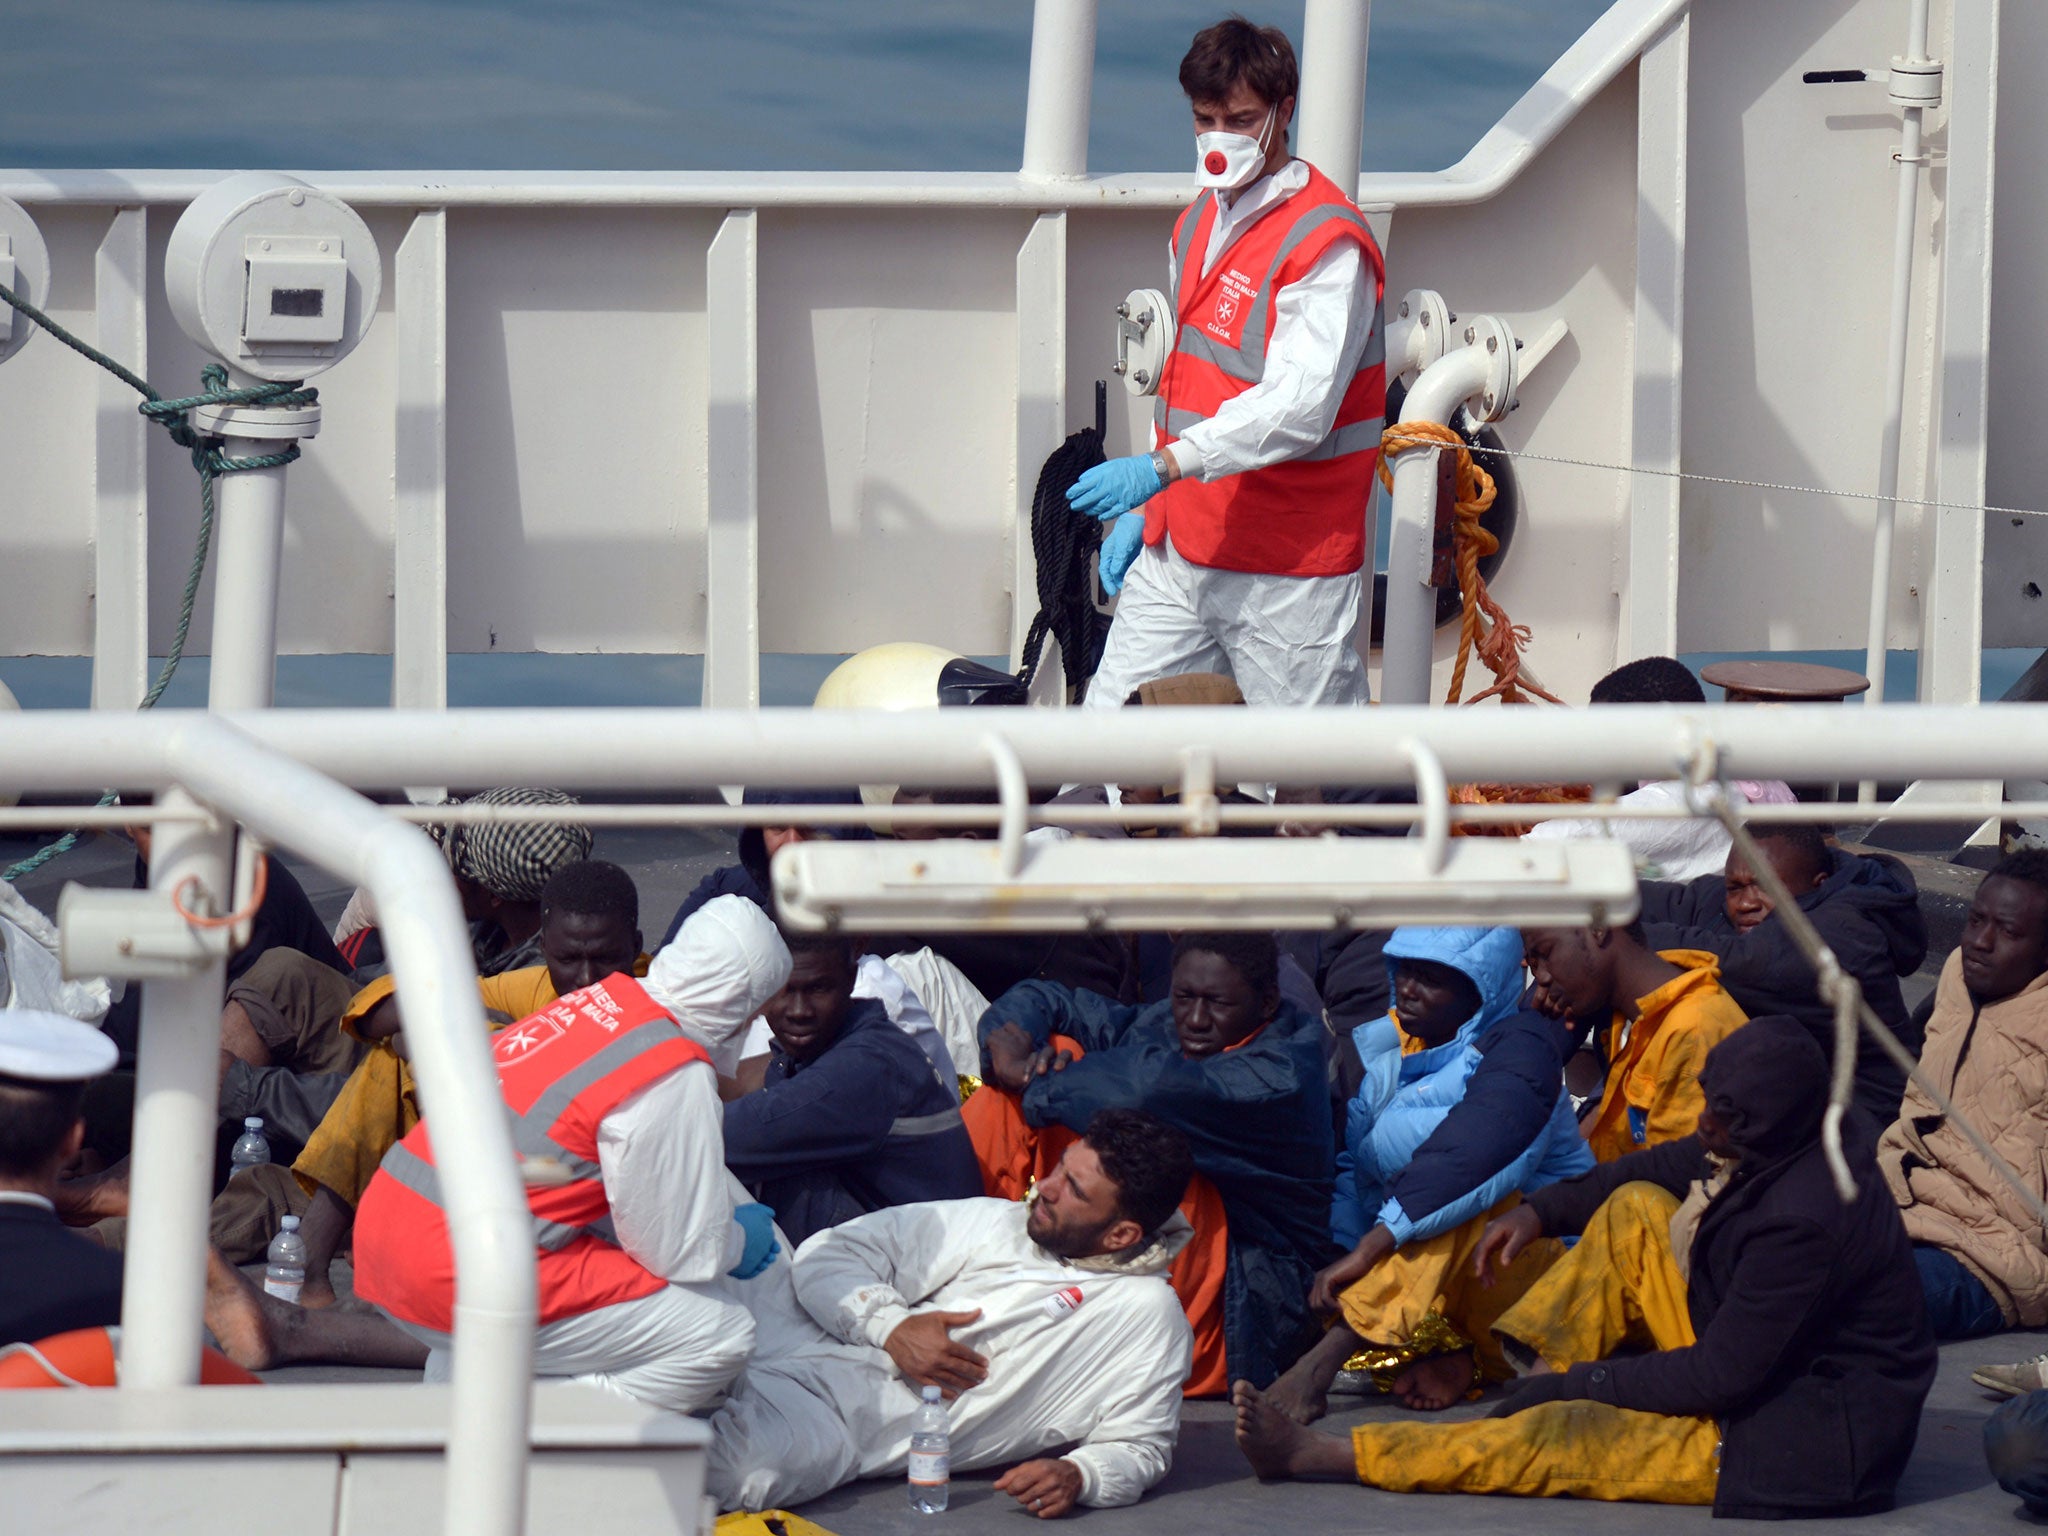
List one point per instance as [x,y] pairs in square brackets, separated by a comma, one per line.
[1234,1067]
[851,1117]
[1788,1353]
[1046,1324]
[1461,1111]
[1866,907]
[1654,1016]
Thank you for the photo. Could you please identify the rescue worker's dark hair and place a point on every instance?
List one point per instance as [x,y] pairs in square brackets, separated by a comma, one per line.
[1650,680]
[2028,865]
[1254,956]
[1147,1160]
[35,1117]
[592,888]
[1805,838]
[1235,51]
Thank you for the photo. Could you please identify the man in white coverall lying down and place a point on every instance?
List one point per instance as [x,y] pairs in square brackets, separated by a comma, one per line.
[1046,1323]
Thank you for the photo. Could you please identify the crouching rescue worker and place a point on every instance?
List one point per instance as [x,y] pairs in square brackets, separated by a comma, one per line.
[1247,556]
[1781,1354]
[616,1085]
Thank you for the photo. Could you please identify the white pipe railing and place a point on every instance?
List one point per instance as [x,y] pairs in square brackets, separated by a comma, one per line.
[290,805]
[1899,335]
[1584,70]
[1330,117]
[1060,94]
[664,749]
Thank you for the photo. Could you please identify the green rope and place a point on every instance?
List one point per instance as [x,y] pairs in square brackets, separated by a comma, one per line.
[207,459]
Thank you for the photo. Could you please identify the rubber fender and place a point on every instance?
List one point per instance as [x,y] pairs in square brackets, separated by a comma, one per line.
[89,1357]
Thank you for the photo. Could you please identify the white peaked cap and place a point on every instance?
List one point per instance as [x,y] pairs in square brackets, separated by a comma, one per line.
[49,1048]
[713,977]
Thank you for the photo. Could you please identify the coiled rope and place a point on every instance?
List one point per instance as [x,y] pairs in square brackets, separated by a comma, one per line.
[1063,545]
[207,459]
[1485,625]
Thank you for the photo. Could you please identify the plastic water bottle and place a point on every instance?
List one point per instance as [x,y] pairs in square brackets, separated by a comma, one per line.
[284,1268]
[250,1147]
[931,1456]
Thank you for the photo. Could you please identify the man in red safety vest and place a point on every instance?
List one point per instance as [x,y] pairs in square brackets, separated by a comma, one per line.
[1249,553]
[613,1093]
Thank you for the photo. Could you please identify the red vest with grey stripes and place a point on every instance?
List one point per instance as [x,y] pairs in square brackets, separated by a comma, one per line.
[561,1070]
[1304,516]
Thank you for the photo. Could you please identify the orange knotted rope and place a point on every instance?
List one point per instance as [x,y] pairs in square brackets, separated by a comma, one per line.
[1500,640]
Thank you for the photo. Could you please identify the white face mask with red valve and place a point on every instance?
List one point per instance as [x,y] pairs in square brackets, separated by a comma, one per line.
[1228,161]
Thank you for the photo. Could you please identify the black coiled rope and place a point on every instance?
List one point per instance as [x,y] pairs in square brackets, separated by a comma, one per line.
[1063,546]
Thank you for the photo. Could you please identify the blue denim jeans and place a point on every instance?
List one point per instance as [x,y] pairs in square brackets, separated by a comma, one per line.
[1958,1306]
[2016,1445]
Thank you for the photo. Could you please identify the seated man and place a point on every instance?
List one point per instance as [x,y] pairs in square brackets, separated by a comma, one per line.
[1865,906]
[611,1083]
[850,1117]
[1788,1357]
[1665,849]
[284,1055]
[1461,1107]
[1234,1067]
[1982,1255]
[589,929]
[1068,1335]
[2016,1446]
[1658,1014]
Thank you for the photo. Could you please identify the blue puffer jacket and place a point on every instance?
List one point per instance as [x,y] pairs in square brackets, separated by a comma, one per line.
[1434,1138]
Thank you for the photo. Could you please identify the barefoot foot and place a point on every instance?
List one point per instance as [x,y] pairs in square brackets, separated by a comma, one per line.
[235,1315]
[1437,1382]
[1299,1394]
[1278,1447]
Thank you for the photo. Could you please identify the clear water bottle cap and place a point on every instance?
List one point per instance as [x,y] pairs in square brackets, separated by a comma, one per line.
[290,1223]
[253,1123]
[932,1394]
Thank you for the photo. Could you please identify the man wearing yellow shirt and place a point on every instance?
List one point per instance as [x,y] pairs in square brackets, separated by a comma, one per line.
[590,929]
[1659,1013]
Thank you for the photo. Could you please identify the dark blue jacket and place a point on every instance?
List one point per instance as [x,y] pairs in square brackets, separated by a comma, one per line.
[865,1125]
[730,880]
[1868,912]
[1258,1119]
[52,1280]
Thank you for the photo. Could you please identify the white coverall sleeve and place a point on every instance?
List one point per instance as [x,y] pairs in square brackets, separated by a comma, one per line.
[860,1279]
[1131,1448]
[662,1153]
[1321,324]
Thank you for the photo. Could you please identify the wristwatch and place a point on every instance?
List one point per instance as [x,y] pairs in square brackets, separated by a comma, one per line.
[1162,466]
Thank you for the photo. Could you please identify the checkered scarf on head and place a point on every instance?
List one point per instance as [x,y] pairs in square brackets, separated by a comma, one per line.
[513,860]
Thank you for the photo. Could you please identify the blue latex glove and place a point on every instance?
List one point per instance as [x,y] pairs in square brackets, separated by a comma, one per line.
[758,1222]
[1112,489]
[1120,546]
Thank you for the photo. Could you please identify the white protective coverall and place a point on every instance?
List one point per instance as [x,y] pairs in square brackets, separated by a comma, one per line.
[821,1402]
[662,1153]
[1284,639]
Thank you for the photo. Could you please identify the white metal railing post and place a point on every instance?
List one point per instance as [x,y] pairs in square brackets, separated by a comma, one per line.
[1915,85]
[1057,107]
[248,563]
[177,1094]
[1335,38]
[1410,628]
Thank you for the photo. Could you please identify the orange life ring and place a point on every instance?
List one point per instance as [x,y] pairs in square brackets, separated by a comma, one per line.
[89,1357]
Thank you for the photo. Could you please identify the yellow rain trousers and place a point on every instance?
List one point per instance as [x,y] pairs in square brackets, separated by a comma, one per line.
[1389,1305]
[1619,1286]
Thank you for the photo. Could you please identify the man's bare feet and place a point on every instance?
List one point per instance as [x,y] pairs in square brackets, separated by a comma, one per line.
[1277,1447]
[317,1293]
[1437,1381]
[237,1314]
[1303,1390]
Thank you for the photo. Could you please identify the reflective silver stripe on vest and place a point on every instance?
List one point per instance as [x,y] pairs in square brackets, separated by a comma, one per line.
[532,1141]
[1359,437]
[926,1125]
[552,1236]
[1254,332]
[638,1041]
[1236,362]
[1178,421]
[414,1172]
[1184,238]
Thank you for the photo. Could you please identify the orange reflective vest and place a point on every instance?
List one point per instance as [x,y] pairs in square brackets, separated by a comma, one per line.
[1303,516]
[561,1070]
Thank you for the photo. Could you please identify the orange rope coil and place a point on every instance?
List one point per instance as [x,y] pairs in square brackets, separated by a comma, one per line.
[1499,640]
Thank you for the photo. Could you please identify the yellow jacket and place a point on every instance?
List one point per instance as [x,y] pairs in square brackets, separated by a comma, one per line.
[1653,1089]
